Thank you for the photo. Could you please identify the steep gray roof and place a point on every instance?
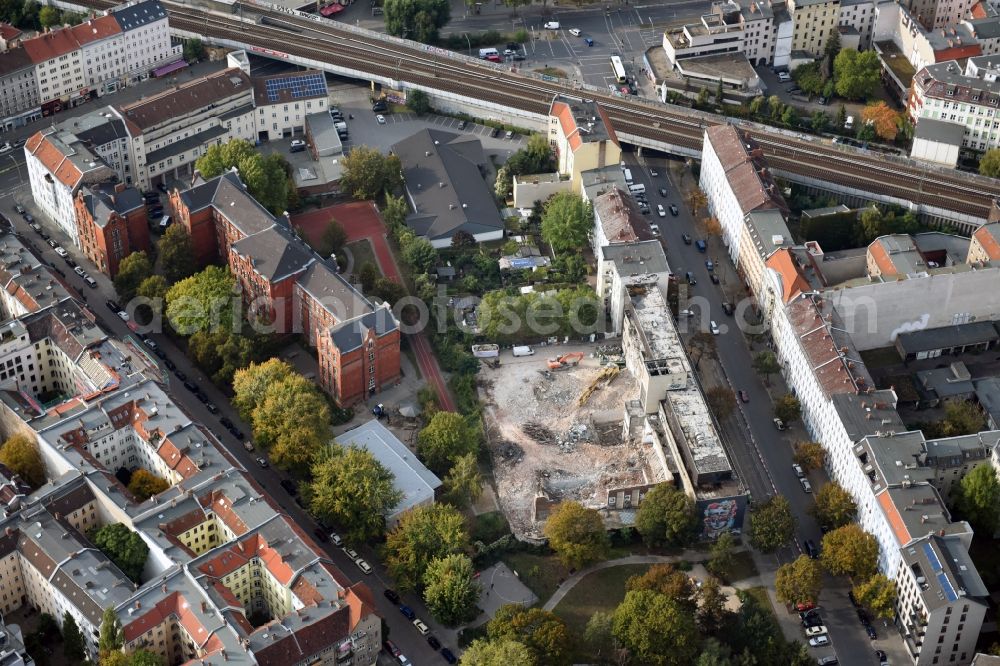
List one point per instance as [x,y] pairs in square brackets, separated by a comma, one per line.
[275,252]
[228,194]
[334,292]
[351,334]
[135,16]
[102,201]
[443,179]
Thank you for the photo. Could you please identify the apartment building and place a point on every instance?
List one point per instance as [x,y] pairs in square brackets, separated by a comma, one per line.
[969,97]
[583,136]
[813,23]
[58,165]
[984,246]
[172,129]
[733,26]
[744,198]
[102,52]
[111,224]
[860,16]
[922,46]
[19,99]
[284,100]
[145,29]
[230,579]
[59,73]
[937,14]
[286,285]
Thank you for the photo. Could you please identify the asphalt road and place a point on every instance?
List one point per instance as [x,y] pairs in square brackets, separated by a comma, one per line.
[402,631]
[762,452]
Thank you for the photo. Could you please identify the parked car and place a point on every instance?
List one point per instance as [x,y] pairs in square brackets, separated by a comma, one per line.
[673,210]
[827,661]
[19,208]
[212,409]
[714,328]
[575,32]
[806,486]
[819,641]
[407,612]
[191,386]
[660,211]
[351,553]
[289,486]
[509,134]
[51,243]
[421,627]
[863,616]
[449,656]
[798,470]
[663,192]
[744,396]
[816,631]
[872,634]
[248,446]
[778,423]
[297,146]
[714,278]
[226,423]
[391,595]
[91,282]
[391,648]
[551,25]
[710,265]
[494,132]
[434,642]
[461,125]
[262,461]
[686,238]
[337,541]
[380,119]
[123,316]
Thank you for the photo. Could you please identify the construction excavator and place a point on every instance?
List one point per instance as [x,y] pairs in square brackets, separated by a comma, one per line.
[565,361]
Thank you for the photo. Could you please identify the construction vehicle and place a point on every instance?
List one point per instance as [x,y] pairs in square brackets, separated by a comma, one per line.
[566,361]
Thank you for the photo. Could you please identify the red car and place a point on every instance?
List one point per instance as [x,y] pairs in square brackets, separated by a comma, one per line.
[744,396]
[804,606]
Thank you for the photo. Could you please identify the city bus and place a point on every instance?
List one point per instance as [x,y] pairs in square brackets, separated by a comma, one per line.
[619,69]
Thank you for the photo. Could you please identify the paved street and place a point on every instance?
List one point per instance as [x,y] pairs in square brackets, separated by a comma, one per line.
[762,455]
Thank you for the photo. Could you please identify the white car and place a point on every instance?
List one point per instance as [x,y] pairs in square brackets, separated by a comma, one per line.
[779,424]
[806,486]
[819,641]
[660,210]
[714,328]
[655,228]
[335,538]
[685,313]
[61,252]
[351,553]
[575,32]
[123,315]
[815,631]
[79,271]
[6,148]
[262,461]
[421,627]
[380,119]
[798,470]
[364,566]
[551,25]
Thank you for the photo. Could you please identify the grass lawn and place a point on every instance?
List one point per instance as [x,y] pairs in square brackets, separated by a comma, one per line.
[362,251]
[600,591]
[541,573]
[552,71]
[760,594]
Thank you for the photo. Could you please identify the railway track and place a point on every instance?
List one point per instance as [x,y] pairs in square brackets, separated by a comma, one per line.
[328,41]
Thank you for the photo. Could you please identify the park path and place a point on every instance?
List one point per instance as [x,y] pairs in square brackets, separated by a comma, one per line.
[689,555]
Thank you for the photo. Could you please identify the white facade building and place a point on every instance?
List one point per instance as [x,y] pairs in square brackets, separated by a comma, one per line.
[146,31]
[969,97]
[284,100]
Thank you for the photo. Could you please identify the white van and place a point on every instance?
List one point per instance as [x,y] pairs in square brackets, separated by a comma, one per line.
[784,77]
[849,123]
[486,53]
[551,25]
[523,351]
[637,189]
[628,176]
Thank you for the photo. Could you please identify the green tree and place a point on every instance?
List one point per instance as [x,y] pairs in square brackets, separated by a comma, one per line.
[418,101]
[463,484]
[394,212]
[265,176]
[820,122]
[541,631]
[123,547]
[577,534]
[597,635]
[721,401]
[463,240]
[333,239]
[292,423]
[73,646]
[789,116]
[809,455]
[418,253]
[111,637]
[354,491]
[878,594]
[132,270]
[418,20]
[809,78]
[665,579]
[154,288]
[176,253]
[450,590]
[723,555]
[772,524]
[567,222]
[850,551]
[666,516]
[21,456]
[446,438]
[367,275]
[834,506]
[423,534]
[656,630]
[712,614]
[505,652]
[962,418]
[145,658]
[701,100]
[799,581]
[251,385]
[977,498]
[49,16]
[787,408]
[504,182]
[194,49]
[220,353]
[367,173]
[766,363]
[856,73]
[989,163]
[144,484]
[202,302]
[715,653]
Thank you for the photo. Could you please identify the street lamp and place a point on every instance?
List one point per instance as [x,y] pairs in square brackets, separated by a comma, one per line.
[468,41]
[17,166]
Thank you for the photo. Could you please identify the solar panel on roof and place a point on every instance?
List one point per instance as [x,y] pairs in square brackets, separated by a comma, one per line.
[932,557]
[303,85]
[949,591]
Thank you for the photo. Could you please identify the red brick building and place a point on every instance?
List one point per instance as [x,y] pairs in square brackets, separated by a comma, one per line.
[284,282]
[111,222]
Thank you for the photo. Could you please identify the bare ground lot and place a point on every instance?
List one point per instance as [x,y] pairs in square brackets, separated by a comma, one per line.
[544,444]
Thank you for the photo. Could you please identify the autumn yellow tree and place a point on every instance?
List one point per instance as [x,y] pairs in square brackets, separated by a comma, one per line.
[883,118]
